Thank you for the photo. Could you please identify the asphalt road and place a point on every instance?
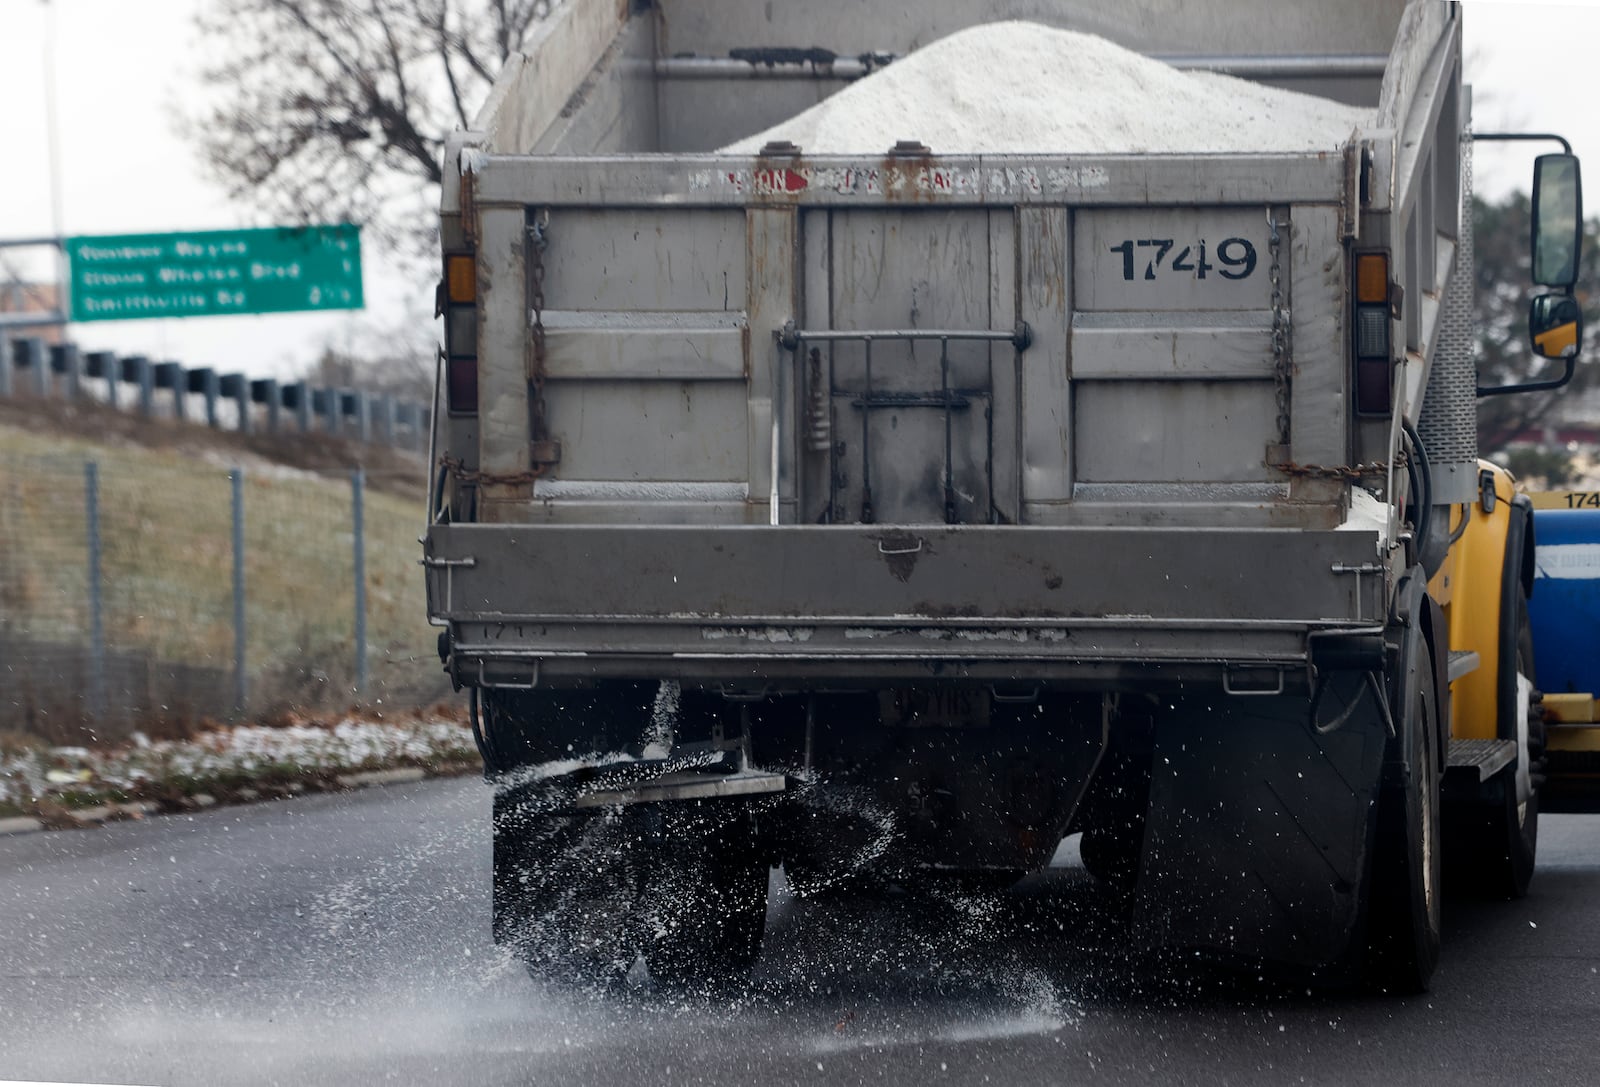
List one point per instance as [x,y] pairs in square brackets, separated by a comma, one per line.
[343,939]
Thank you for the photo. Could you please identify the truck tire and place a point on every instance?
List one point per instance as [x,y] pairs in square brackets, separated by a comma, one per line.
[565,891]
[1111,853]
[705,900]
[1112,845]
[1493,846]
[1403,913]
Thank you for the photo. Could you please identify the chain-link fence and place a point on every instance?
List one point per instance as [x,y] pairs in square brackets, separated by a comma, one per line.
[137,594]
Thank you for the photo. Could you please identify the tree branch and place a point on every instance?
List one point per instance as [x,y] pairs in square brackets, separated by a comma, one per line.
[326,107]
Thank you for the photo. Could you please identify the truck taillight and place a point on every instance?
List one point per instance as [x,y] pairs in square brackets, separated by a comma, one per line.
[1374,369]
[461,332]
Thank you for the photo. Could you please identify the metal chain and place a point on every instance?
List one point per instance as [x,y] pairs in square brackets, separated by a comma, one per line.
[1353,472]
[543,452]
[536,420]
[1280,329]
[461,473]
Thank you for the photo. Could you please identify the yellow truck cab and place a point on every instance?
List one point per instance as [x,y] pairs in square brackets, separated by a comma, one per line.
[1491,810]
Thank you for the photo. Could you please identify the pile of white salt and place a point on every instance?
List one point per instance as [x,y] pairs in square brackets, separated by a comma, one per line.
[1019,87]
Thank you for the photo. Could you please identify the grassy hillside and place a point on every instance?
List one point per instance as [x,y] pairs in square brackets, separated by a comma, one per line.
[167,559]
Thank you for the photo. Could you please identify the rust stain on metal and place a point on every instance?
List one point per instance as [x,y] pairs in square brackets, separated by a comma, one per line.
[917,176]
[469,207]
[1046,256]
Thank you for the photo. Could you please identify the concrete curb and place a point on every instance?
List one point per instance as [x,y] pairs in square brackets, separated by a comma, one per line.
[20,824]
[102,812]
[398,776]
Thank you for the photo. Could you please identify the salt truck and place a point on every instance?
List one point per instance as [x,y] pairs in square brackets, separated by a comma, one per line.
[891,514]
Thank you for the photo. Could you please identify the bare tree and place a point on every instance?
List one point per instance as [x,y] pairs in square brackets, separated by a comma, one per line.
[1504,356]
[388,361]
[327,110]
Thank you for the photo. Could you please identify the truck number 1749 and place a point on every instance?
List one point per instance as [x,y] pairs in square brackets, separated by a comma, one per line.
[1236,257]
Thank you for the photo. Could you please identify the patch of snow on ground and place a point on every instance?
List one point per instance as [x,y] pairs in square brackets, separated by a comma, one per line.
[244,751]
[1015,87]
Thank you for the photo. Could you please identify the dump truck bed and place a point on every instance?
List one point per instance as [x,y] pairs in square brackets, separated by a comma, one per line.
[808,415]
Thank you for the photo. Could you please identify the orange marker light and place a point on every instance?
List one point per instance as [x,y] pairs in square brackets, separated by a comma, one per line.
[1372,277]
[462,276]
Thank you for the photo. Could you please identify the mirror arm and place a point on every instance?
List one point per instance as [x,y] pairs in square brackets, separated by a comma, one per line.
[1566,147]
[1531,386]
[1571,361]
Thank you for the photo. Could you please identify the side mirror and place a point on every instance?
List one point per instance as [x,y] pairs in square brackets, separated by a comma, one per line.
[1557,223]
[1555,324]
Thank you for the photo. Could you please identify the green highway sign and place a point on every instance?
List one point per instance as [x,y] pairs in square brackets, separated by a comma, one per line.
[214,273]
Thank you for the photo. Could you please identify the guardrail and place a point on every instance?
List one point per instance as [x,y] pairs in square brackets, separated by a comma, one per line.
[31,367]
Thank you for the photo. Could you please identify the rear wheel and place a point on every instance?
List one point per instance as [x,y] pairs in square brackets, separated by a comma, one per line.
[565,890]
[704,905]
[1403,920]
[579,896]
[1112,844]
[1111,853]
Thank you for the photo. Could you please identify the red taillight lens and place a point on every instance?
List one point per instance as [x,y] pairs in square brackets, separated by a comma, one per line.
[1374,387]
[461,381]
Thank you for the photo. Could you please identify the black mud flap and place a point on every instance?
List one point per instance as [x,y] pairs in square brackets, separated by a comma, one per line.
[1259,832]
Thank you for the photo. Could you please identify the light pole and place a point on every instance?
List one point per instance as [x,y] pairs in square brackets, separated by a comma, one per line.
[53,144]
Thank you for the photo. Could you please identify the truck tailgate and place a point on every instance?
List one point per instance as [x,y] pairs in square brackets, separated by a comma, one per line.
[710,602]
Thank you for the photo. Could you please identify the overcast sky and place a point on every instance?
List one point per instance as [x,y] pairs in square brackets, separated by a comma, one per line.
[124,69]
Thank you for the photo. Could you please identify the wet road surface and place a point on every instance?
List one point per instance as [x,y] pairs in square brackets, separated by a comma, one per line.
[344,939]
